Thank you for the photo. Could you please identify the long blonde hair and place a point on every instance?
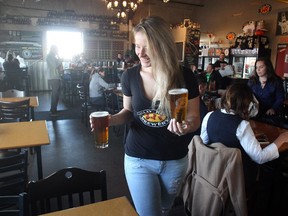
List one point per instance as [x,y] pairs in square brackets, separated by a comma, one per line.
[163,56]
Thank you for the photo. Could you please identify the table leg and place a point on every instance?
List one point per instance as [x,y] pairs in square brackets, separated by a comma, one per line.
[32,113]
[39,162]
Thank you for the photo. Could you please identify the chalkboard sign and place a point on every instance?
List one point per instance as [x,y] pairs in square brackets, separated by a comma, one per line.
[192,47]
[180,51]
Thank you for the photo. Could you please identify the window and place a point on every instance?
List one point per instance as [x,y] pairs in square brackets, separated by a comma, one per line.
[69,43]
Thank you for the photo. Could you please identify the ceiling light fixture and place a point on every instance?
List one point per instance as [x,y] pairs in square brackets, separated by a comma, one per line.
[123,7]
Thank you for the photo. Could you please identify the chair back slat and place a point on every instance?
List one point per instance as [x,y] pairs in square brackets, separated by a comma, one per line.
[14,205]
[92,197]
[81,198]
[18,110]
[69,186]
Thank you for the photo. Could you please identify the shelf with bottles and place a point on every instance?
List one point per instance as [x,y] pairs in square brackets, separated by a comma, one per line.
[16,20]
[71,15]
[105,26]
[110,34]
[103,49]
[54,22]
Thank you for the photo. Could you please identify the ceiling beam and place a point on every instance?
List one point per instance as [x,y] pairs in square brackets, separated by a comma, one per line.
[185,3]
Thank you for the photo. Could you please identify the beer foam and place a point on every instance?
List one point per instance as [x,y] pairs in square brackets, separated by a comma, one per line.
[99,114]
[177,91]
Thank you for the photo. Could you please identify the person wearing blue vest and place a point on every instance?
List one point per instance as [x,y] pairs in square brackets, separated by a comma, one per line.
[230,126]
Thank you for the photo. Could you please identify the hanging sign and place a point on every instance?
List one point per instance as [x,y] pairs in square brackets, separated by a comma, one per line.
[265,9]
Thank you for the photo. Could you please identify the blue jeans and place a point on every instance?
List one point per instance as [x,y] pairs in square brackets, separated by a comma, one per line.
[154,184]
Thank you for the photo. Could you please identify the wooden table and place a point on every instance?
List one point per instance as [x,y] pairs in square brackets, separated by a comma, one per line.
[34,102]
[271,132]
[25,134]
[113,207]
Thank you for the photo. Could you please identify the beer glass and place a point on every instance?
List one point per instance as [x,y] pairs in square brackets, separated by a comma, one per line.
[100,121]
[178,103]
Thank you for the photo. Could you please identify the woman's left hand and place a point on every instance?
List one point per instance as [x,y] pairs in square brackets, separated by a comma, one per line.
[177,128]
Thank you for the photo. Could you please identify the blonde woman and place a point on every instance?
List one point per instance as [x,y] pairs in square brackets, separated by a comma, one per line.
[156,146]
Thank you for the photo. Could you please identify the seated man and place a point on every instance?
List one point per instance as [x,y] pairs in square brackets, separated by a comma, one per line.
[97,86]
[214,78]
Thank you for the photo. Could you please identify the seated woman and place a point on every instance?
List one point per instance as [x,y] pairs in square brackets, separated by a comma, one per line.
[267,88]
[97,86]
[230,126]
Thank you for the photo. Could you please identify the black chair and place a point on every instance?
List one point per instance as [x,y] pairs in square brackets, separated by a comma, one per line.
[70,79]
[69,187]
[13,173]
[14,205]
[111,101]
[117,108]
[15,111]
[86,105]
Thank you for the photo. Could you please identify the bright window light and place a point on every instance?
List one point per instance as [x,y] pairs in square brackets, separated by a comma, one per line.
[69,43]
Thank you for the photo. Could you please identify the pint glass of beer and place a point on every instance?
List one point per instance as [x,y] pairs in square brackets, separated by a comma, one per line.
[178,103]
[100,121]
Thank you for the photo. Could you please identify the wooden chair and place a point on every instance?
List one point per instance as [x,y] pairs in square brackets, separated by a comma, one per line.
[13,173]
[13,93]
[14,205]
[18,111]
[68,188]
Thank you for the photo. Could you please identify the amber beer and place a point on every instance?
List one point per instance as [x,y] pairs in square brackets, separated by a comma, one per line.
[178,103]
[100,121]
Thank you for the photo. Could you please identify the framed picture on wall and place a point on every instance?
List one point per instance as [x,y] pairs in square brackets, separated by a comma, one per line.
[281,59]
[282,23]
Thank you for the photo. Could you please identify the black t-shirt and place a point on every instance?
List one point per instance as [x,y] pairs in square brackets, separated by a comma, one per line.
[148,136]
[11,67]
[218,63]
